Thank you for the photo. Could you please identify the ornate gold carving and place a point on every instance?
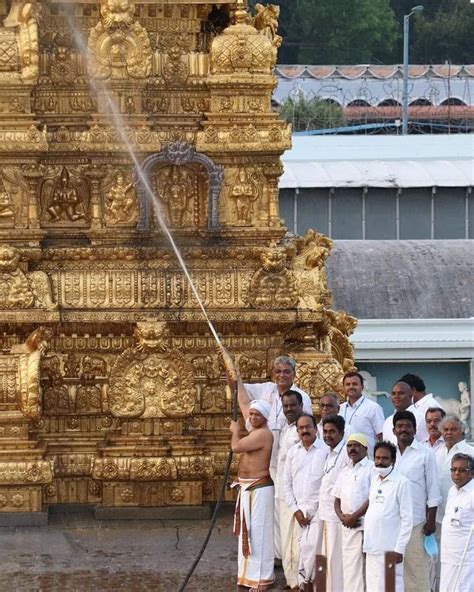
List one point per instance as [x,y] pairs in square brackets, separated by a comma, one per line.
[119,47]
[245,192]
[121,205]
[273,285]
[24,15]
[65,198]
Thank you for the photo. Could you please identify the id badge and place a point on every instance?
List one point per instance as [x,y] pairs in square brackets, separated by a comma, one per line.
[455,522]
[379,499]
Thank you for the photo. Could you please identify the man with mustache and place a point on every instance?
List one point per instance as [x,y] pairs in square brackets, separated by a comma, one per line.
[418,464]
[337,459]
[422,401]
[361,413]
[457,544]
[304,470]
[329,407]
[388,520]
[255,502]
[293,409]
[351,493]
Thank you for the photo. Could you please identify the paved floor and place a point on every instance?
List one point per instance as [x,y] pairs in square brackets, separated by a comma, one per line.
[77,553]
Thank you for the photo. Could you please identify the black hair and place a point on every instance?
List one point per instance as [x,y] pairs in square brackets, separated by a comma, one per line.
[313,419]
[337,420]
[351,374]
[414,381]
[388,446]
[434,410]
[298,396]
[405,415]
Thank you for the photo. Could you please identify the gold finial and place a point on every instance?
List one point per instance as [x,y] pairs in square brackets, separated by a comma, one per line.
[241,14]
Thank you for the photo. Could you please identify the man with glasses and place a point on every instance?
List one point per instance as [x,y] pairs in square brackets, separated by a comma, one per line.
[328,407]
[457,543]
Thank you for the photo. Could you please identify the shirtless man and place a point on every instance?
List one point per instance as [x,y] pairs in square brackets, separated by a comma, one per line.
[256,491]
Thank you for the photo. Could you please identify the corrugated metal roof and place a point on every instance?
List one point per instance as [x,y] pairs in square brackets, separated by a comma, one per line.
[379,161]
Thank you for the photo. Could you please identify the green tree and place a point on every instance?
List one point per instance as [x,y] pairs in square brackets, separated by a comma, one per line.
[337,31]
[310,114]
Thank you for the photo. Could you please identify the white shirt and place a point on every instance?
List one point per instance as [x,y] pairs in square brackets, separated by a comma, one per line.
[336,460]
[353,485]
[365,416]
[268,391]
[436,446]
[304,471]
[389,436]
[418,465]
[443,459]
[457,522]
[389,517]
[422,407]
[288,438]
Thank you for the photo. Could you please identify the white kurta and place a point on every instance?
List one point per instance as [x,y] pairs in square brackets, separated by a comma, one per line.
[443,459]
[352,488]
[365,416]
[387,526]
[304,470]
[329,522]
[457,540]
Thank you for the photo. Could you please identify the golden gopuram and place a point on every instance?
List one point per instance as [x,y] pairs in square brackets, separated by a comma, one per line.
[111,389]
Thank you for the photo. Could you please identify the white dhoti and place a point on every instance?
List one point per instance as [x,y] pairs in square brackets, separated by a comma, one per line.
[309,545]
[463,574]
[277,535]
[353,565]
[289,542]
[332,549]
[253,524]
[375,574]
[415,563]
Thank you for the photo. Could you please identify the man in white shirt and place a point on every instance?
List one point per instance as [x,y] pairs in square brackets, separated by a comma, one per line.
[292,408]
[422,401]
[457,543]
[433,417]
[359,412]
[351,493]
[388,520]
[304,469]
[401,397]
[283,374]
[337,459]
[452,429]
[418,464]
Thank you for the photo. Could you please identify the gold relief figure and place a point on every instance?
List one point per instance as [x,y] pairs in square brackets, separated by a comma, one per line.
[15,291]
[266,22]
[177,194]
[25,15]
[7,211]
[65,198]
[63,68]
[120,201]
[273,285]
[245,192]
[117,12]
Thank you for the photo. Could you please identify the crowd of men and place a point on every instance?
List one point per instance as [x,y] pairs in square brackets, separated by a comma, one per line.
[352,487]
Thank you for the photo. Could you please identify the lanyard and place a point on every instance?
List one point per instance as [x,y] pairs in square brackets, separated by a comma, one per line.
[329,469]
[356,409]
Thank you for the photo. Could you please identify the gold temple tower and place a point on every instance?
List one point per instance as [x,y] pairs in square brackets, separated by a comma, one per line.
[111,390]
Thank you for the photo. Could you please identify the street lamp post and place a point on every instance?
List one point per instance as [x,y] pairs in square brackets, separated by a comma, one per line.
[406,37]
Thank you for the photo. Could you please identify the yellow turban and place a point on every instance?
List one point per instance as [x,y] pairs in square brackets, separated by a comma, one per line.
[358,438]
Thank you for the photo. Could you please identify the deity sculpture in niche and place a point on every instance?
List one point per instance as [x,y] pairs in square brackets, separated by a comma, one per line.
[245,191]
[7,209]
[65,198]
[120,200]
[176,186]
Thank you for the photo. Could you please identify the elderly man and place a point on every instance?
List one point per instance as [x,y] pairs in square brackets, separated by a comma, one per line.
[452,429]
[362,414]
[351,493]
[422,401]
[401,397]
[418,464]
[292,408]
[329,407]
[457,542]
[254,508]
[304,470]
[388,520]
[283,374]
[337,460]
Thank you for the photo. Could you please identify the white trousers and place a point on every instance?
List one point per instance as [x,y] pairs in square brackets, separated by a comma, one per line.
[309,545]
[289,542]
[332,548]
[277,546]
[375,574]
[353,559]
[449,574]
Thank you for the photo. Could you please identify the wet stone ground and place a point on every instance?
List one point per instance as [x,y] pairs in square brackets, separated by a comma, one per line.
[77,553]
